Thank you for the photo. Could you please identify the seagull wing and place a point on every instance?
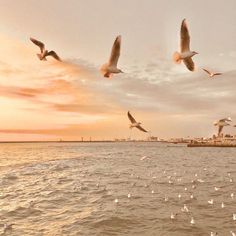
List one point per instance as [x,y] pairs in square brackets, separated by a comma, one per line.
[38,43]
[189,63]
[53,54]
[226,119]
[185,38]
[217,73]
[115,52]
[140,128]
[220,129]
[131,118]
[207,71]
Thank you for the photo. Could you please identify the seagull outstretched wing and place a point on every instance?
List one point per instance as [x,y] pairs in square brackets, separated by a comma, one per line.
[140,128]
[131,118]
[185,38]
[53,54]
[217,73]
[207,71]
[38,43]
[189,63]
[220,129]
[115,52]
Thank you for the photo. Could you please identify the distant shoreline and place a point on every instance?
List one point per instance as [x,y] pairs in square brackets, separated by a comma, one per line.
[97,141]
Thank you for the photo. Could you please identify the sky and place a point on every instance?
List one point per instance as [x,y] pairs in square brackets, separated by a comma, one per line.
[51,100]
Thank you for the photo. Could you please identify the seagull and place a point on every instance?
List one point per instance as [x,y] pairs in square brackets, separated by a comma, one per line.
[221,123]
[222,205]
[185,53]
[216,188]
[185,208]
[211,74]
[234,216]
[232,233]
[43,52]
[134,123]
[192,221]
[232,195]
[111,67]
[211,201]
[172,216]
[129,195]
[214,234]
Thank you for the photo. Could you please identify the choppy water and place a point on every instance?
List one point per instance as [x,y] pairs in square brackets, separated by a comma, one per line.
[72,189]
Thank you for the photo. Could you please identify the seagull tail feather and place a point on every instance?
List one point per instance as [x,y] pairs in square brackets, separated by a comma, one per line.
[177,57]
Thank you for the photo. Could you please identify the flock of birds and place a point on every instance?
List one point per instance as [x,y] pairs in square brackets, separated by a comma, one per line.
[189,196]
[108,69]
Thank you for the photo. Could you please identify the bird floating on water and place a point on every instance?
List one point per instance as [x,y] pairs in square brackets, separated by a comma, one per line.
[214,234]
[110,68]
[185,208]
[232,233]
[172,216]
[234,216]
[134,123]
[192,222]
[185,53]
[211,202]
[43,52]
[211,74]
[222,205]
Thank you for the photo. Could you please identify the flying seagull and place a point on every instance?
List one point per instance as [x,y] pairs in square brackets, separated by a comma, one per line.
[43,52]
[221,123]
[134,123]
[111,67]
[211,74]
[185,54]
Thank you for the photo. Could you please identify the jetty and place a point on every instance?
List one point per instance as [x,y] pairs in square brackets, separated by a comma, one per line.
[212,144]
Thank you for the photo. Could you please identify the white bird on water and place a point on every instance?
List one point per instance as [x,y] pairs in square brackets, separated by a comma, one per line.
[172,216]
[185,208]
[214,234]
[232,195]
[217,189]
[192,222]
[222,205]
[232,233]
[134,123]
[211,74]
[43,52]
[211,202]
[110,68]
[185,54]
[234,216]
